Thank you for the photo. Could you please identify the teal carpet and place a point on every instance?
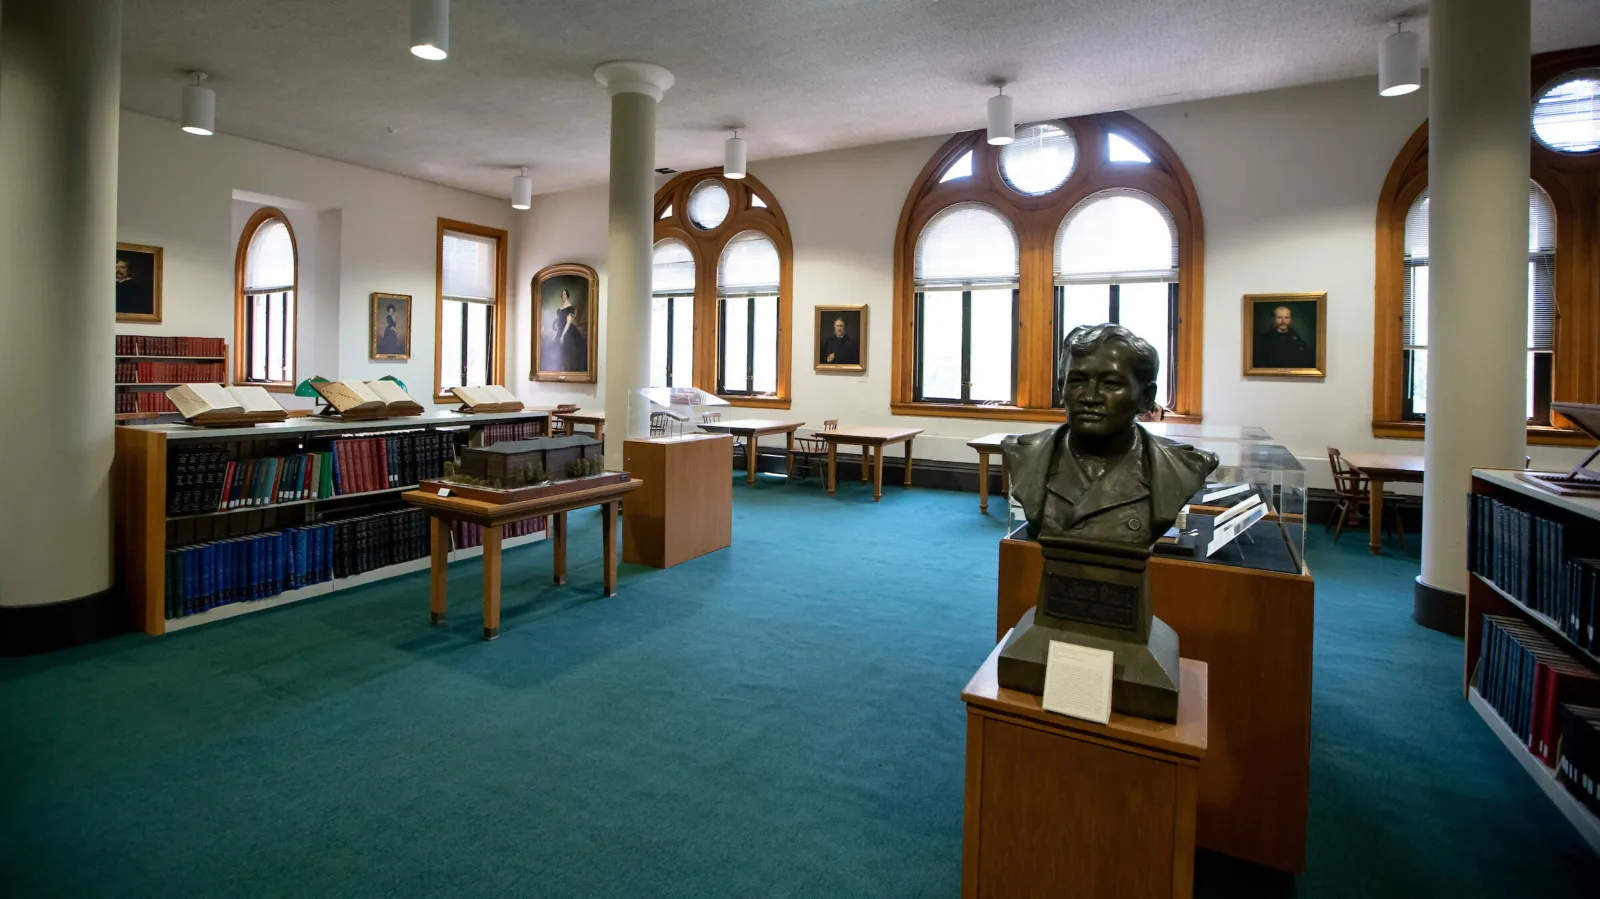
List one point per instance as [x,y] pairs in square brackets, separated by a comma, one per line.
[781,718]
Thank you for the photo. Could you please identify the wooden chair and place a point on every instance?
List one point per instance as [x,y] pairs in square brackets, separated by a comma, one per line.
[811,452]
[1353,500]
[658,424]
[710,416]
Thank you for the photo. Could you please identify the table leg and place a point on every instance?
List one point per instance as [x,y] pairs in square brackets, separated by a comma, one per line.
[558,545]
[866,463]
[1375,512]
[750,461]
[908,460]
[1005,479]
[833,467]
[789,470]
[491,582]
[608,532]
[439,551]
[983,483]
[600,431]
[877,475]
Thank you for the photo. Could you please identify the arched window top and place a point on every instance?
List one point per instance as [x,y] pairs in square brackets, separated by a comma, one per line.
[1566,117]
[961,168]
[749,265]
[1541,224]
[1119,234]
[269,259]
[672,269]
[966,244]
[1120,149]
[1040,160]
[708,204]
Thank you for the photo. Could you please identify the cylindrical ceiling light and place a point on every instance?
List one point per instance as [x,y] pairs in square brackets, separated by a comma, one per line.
[521,190]
[734,156]
[430,29]
[1002,123]
[1399,62]
[199,107]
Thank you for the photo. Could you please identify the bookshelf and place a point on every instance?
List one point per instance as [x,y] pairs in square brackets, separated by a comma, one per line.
[1580,519]
[148,365]
[150,469]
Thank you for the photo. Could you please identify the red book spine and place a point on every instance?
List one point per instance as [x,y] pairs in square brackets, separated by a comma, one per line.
[343,463]
[369,472]
[382,447]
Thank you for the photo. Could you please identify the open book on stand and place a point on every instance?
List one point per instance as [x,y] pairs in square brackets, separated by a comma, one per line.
[488,398]
[213,405]
[356,401]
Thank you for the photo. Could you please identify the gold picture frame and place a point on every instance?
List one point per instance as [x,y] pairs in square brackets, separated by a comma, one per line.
[390,312]
[1292,346]
[834,351]
[565,342]
[142,267]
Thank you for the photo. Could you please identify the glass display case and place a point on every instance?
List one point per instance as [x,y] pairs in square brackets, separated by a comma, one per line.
[1188,432]
[671,411]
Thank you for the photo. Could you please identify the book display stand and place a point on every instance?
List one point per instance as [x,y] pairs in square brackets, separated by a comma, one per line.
[489,398]
[1581,480]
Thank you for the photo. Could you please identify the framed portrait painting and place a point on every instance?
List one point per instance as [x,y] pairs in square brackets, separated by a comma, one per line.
[138,283]
[841,338]
[1286,335]
[566,323]
[390,327]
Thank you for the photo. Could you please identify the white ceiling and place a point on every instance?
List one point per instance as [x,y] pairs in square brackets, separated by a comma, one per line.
[331,77]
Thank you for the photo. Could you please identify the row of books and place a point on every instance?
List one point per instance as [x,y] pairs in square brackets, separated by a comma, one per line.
[397,460]
[1579,761]
[170,372]
[370,542]
[509,431]
[1527,556]
[207,575]
[209,479]
[144,401]
[468,535]
[145,345]
[1526,679]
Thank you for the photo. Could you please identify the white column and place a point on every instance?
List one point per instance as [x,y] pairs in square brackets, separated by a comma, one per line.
[635,88]
[60,83]
[1478,138]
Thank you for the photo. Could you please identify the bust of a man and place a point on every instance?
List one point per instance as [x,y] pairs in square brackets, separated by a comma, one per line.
[1101,477]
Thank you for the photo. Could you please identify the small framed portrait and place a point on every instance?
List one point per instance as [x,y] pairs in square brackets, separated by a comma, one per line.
[138,283]
[1286,335]
[391,326]
[566,300]
[841,338]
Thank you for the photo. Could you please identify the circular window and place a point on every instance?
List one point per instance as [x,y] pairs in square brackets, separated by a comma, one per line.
[1566,117]
[1040,160]
[708,204]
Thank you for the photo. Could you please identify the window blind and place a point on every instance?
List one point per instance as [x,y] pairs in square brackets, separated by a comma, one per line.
[672,268]
[1119,235]
[966,245]
[269,261]
[1040,160]
[749,265]
[468,267]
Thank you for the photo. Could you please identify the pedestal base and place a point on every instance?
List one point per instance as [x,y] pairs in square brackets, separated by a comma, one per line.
[1145,681]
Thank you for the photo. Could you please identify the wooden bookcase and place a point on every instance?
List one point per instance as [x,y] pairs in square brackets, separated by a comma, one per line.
[144,530]
[122,387]
[1485,597]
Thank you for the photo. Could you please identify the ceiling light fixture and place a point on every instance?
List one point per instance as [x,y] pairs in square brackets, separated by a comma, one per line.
[430,29]
[1399,61]
[734,156]
[521,190]
[1002,124]
[199,106]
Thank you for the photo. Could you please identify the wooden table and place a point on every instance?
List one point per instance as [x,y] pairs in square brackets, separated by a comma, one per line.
[1378,469]
[595,420]
[987,446]
[872,441]
[752,430]
[1059,806]
[492,516]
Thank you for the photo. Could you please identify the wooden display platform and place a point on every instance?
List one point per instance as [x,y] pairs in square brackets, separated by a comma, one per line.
[1253,627]
[522,494]
[1058,806]
[686,507]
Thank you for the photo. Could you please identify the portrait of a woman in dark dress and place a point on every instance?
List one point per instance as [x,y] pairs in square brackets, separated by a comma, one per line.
[564,336]
[567,346]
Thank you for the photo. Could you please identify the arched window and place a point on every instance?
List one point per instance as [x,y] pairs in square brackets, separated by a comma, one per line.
[722,289]
[266,277]
[672,315]
[1001,250]
[1563,300]
[967,268]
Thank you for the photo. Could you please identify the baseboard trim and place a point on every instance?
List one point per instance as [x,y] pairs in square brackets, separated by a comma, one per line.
[1444,611]
[29,630]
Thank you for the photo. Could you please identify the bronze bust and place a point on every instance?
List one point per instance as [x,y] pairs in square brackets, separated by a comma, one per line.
[1097,492]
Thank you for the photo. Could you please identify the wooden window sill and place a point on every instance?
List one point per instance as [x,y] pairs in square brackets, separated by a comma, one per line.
[756,402]
[268,386]
[999,413]
[1538,435]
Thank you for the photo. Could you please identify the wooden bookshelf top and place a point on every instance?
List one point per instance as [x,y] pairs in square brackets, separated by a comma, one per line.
[1508,480]
[312,425]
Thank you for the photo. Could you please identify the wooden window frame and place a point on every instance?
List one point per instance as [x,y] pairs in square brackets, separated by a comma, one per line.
[706,247]
[1036,221]
[1573,184]
[498,365]
[241,311]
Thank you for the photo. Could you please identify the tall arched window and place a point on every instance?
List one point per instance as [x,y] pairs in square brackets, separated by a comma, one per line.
[967,267]
[722,289]
[266,277]
[672,315]
[1102,224]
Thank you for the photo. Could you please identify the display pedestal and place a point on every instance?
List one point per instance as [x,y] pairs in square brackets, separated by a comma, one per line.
[1253,628]
[1058,806]
[685,508]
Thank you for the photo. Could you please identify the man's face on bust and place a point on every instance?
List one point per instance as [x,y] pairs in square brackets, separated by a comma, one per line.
[1102,394]
[838,327]
[1281,318]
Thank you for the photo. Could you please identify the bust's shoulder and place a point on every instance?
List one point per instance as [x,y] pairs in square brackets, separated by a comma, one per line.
[1034,439]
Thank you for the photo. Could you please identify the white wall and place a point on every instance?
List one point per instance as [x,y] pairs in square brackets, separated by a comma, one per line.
[358,231]
[1288,184]
[563,227]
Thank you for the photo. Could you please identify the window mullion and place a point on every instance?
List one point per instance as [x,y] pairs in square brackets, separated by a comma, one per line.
[750,347]
[966,346]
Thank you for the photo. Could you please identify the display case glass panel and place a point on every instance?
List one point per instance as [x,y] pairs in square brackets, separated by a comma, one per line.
[671,411]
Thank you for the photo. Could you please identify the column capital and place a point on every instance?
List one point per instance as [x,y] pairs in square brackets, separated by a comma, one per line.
[626,76]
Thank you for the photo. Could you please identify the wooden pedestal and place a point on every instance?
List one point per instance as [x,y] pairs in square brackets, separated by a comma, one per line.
[685,508]
[1254,630]
[1056,806]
